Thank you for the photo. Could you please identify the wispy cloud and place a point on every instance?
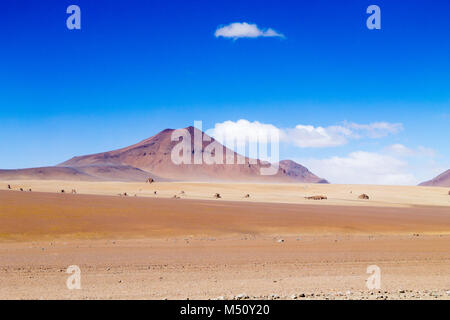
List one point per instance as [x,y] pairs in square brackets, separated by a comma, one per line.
[308,136]
[377,129]
[403,151]
[238,30]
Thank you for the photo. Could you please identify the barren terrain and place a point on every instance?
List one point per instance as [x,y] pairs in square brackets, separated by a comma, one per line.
[197,247]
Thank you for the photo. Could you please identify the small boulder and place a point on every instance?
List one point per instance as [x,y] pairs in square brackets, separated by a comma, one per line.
[319,197]
[241,296]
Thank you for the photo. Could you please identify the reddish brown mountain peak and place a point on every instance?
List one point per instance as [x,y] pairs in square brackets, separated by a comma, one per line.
[152,157]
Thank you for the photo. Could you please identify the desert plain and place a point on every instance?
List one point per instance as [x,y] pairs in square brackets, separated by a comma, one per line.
[183,243]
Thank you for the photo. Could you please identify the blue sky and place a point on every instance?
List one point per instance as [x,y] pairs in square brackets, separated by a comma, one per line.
[138,67]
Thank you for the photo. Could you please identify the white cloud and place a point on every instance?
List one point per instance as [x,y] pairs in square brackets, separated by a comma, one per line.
[245,30]
[396,164]
[303,136]
[362,167]
[242,132]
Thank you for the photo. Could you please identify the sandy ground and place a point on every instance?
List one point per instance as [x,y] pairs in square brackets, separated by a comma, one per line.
[384,196]
[146,248]
[310,267]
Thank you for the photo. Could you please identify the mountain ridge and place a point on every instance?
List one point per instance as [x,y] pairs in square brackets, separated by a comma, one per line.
[151,158]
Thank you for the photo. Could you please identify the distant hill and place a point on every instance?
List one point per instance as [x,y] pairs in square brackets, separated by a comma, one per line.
[86,173]
[299,172]
[152,158]
[442,180]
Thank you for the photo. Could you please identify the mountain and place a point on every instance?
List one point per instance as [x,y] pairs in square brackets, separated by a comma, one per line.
[83,173]
[152,158]
[299,172]
[442,180]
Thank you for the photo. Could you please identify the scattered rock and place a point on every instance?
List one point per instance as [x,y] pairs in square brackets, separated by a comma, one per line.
[320,197]
[294,296]
[217,196]
[363,196]
[241,296]
[280,240]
